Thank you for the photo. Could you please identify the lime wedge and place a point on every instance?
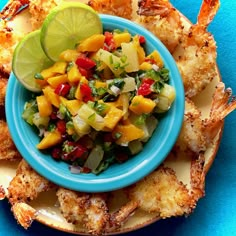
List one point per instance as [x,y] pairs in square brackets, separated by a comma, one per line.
[29,59]
[66,25]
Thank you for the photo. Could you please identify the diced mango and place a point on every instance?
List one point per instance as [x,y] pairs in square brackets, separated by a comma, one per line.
[139,48]
[56,80]
[73,106]
[51,139]
[59,67]
[157,58]
[51,96]
[92,44]
[140,105]
[100,84]
[128,133]
[44,106]
[74,74]
[41,82]
[113,117]
[121,38]
[69,55]
[145,66]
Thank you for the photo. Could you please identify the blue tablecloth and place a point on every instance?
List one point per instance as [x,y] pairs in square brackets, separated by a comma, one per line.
[215,213]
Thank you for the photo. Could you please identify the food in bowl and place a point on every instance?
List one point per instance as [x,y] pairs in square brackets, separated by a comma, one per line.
[116,176]
[100,102]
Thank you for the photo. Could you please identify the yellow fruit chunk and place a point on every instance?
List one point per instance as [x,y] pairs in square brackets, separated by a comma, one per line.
[121,38]
[73,106]
[92,44]
[128,133]
[140,105]
[57,68]
[56,80]
[100,84]
[139,48]
[74,74]
[51,96]
[113,117]
[145,66]
[69,55]
[51,139]
[44,106]
[157,58]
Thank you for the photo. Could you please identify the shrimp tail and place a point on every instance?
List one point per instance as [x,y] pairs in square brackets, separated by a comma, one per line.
[13,8]
[223,104]
[207,12]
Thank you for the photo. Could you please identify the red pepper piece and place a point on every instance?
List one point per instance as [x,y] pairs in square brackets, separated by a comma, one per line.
[86,92]
[61,126]
[109,42]
[85,62]
[108,138]
[56,153]
[145,88]
[122,157]
[62,89]
[142,39]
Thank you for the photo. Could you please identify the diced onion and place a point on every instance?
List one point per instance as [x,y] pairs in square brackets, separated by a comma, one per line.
[75,169]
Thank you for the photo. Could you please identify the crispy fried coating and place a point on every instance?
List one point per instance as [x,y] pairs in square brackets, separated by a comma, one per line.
[87,209]
[2,193]
[27,184]
[24,214]
[3,85]
[7,147]
[161,192]
[122,8]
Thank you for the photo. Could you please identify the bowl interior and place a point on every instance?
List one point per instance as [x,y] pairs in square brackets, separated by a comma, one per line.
[117,175]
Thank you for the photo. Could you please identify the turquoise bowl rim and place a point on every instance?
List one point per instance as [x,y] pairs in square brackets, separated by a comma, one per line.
[118,175]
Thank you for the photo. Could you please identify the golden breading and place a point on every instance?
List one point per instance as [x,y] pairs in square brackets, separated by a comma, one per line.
[27,184]
[161,192]
[2,193]
[8,42]
[72,205]
[122,8]
[85,209]
[39,9]
[24,214]
[7,147]
[3,85]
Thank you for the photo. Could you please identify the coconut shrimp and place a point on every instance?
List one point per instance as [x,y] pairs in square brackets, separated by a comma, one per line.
[8,150]
[122,8]
[162,19]
[2,193]
[8,41]
[196,54]
[89,210]
[161,192]
[27,184]
[197,134]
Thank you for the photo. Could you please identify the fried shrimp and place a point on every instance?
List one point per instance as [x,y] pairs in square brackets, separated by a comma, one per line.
[8,41]
[27,184]
[196,53]
[162,19]
[8,150]
[197,134]
[89,210]
[122,8]
[161,192]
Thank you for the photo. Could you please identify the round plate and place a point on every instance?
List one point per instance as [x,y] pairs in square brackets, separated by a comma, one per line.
[49,213]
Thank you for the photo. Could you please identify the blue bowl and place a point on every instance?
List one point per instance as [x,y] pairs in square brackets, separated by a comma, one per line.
[118,175]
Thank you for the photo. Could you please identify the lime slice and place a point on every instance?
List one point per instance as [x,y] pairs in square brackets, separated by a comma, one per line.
[66,25]
[29,59]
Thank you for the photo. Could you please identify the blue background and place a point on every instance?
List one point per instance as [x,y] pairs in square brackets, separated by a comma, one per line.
[215,213]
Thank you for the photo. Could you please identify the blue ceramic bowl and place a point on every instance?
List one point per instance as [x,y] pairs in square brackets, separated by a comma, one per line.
[118,175]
